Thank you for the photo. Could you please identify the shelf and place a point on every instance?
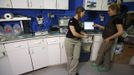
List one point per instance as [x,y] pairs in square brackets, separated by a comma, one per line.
[15,19]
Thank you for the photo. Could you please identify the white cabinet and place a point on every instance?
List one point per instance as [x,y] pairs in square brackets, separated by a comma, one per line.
[98,5]
[20,3]
[56,4]
[5,68]
[33,4]
[39,53]
[63,51]
[36,4]
[104,5]
[63,4]
[92,4]
[5,4]
[95,47]
[2,50]
[101,5]
[53,50]
[50,4]
[19,57]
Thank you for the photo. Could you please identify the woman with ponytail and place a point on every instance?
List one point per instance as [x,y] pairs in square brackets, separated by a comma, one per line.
[73,41]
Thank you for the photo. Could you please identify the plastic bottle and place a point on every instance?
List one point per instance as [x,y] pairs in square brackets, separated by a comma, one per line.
[17,29]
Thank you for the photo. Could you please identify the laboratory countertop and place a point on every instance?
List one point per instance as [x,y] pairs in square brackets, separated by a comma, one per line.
[30,37]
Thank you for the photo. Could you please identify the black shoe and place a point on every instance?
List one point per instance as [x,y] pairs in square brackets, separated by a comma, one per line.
[77,73]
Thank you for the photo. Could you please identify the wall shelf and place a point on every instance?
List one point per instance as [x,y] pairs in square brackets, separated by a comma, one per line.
[20,19]
[15,19]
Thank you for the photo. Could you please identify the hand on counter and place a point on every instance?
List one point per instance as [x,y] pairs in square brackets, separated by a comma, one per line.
[99,26]
[95,25]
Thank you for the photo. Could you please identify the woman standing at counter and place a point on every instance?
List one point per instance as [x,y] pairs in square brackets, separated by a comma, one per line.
[111,31]
[73,41]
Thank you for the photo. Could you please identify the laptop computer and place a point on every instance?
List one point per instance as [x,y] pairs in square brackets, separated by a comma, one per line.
[88,27]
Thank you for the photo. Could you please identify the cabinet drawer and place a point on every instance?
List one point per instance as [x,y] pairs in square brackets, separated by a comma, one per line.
[36,43]
[35,50]
[16,46]
[54,40]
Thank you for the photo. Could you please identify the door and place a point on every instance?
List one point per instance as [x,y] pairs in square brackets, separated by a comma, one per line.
[39,53]
[36,4]
[63,4]
[20,3]
[49,4]
[5,4]
[19,57]
[63,51]
[53,50]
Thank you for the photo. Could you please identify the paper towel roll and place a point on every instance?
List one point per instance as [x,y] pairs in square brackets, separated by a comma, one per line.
[8,15]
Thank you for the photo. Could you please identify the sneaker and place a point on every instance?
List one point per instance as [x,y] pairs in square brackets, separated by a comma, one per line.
[94,65]
[103,69]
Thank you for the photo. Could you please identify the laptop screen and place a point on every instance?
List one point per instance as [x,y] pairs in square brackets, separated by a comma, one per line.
[88,25]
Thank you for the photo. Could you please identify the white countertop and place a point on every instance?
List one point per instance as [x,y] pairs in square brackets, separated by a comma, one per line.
[32,37]
[37,37]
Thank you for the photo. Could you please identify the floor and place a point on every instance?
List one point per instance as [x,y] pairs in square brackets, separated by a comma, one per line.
[85,69]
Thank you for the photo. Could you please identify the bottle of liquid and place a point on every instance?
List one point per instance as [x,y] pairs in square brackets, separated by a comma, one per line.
[8,29]
[8,32]
[17,29]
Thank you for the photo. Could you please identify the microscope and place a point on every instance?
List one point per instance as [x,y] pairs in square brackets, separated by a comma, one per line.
[41,30]
[40,19]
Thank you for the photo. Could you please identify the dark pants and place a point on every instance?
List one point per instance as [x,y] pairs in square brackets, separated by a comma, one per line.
[104,54]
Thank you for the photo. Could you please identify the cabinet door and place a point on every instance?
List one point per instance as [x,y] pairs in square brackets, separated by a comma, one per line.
[36,43]
[95,47]
[5,4]
[5,67]
[63,51]
[53,50]
[2,49]
[49,4]
[63,4]
[104,5]
[98,5]
[36,4]
[39,55]
[19,57]
[20,3]
[93,4]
